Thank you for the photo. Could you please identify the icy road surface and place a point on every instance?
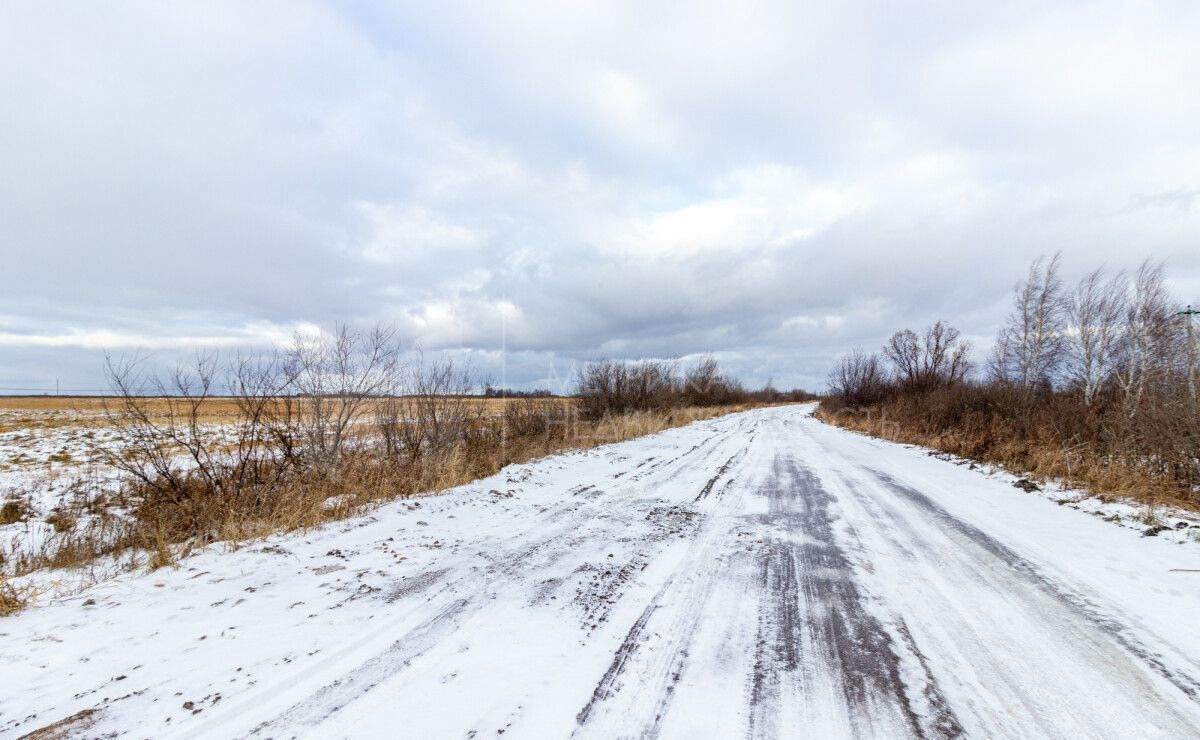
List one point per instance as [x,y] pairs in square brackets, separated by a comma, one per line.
[758,575]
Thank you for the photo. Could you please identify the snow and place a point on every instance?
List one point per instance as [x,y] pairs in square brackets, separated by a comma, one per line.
[761,574]
[51,462]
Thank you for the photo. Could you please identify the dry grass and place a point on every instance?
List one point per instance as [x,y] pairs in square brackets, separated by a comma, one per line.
[167,524]
[1036,451]
[20,413]
[13,598]
[363,479]
[13,511]
[75,725]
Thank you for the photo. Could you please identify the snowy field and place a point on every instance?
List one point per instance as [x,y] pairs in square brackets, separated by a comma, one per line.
[51,471]
[757,575]
[53,477]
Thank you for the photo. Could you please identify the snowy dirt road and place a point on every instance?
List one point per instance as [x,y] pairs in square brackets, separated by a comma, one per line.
[758,575]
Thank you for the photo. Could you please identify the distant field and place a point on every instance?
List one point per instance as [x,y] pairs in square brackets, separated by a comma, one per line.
[43,412]
[19,413]
[52,468]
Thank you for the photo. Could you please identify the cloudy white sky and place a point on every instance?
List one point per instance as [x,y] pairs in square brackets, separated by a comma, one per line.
[772,183]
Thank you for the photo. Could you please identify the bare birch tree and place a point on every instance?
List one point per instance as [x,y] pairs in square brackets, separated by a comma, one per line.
[1149,340]
[1031,345]
[1097,308]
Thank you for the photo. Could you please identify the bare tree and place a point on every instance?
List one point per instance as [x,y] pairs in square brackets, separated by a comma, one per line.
[433,412]
[1097,308]
[903,350]
[705,384]
[1149,345]
[335,376]
[947,354]
[938,359]
[1032,342]
[857,379]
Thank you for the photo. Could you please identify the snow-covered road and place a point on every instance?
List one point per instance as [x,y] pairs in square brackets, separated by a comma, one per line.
[757,575]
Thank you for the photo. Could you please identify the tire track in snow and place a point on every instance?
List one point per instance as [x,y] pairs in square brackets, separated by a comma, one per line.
[708,487]
[944,552]
[333,696]
[654,653]
[511,566]
[815,633]
[506,565]
[651,658]
[1086,609]
[770,578]
[999,595]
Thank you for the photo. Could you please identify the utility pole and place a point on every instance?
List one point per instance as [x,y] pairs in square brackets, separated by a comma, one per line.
[1191,350]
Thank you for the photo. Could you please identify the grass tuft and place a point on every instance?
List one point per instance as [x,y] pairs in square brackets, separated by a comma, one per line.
[13,598]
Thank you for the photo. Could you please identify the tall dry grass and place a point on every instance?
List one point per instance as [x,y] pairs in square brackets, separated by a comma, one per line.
[13,597]
[1051,436]
[329,429]
[170,519]
[1097,384]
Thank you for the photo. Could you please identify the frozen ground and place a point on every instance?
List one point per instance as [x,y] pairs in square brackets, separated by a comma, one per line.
[49,465]
[758,575]
[52,467]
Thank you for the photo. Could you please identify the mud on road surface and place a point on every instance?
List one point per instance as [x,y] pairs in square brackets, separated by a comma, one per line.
[759,575]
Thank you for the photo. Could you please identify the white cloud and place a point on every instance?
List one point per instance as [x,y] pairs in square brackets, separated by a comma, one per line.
[765,206]
[398,232]
[254,335]
[606,177]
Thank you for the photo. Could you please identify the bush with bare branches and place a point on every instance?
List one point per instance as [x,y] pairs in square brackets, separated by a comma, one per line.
[857,379]
[706,384]
[1094,384]
[237,448]
[614,387]
[937,359]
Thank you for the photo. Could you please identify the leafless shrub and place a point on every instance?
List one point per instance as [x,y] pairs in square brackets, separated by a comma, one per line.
[296,410]
[857,379]
[1092,385]
[534,417]
[435,411]
[705,384]
[334,378]
[162,445]
[613,387]
[938,359]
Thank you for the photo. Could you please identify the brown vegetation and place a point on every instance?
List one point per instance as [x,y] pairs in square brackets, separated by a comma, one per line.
[1095,385]
[327,429]
[26,413]
[614,387]
[12,598]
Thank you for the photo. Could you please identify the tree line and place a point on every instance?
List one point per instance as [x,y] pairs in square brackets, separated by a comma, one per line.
[1105,367]
[614,387]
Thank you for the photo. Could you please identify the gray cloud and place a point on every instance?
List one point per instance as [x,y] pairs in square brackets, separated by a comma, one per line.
[769,183]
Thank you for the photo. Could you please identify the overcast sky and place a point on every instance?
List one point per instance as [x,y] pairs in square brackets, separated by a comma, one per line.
[766,182]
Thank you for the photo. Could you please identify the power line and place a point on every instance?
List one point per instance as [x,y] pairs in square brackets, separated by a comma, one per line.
[1191,349]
